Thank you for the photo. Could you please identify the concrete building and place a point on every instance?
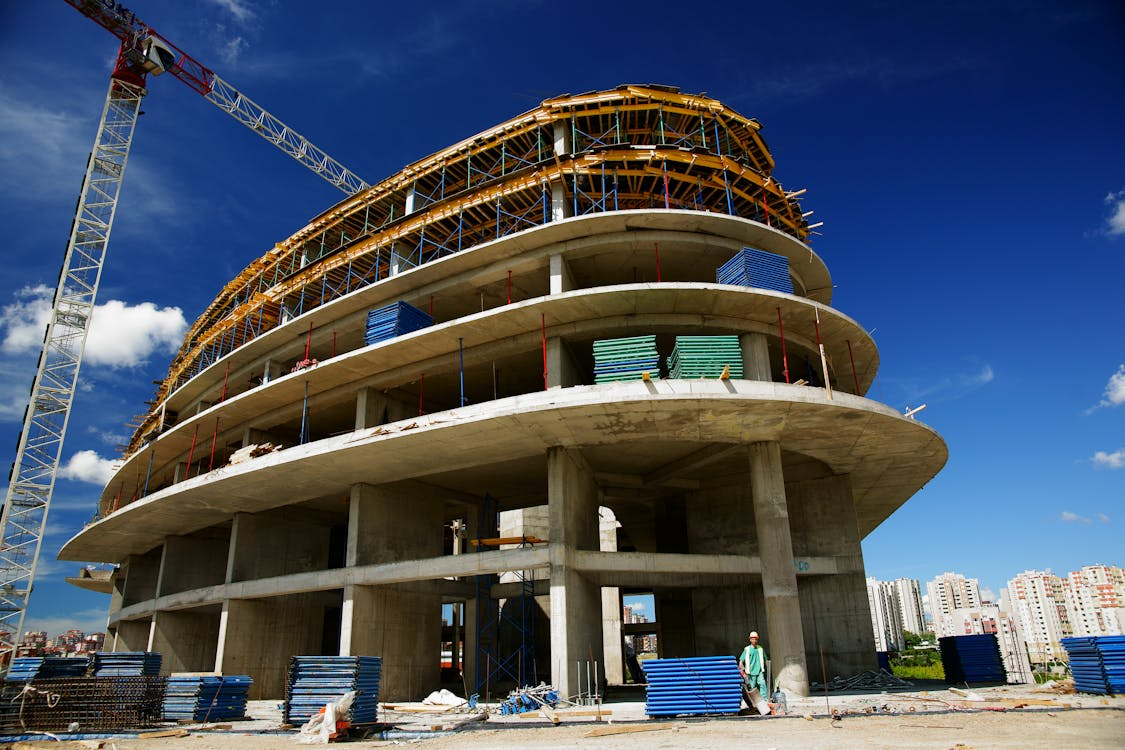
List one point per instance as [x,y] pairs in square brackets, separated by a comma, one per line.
[886,615]
[737,502]
[1095,600]
[949,592]
[1039,605]
[908,595]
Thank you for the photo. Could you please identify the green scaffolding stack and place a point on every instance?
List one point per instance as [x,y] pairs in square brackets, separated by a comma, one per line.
[625,359]
[705,357]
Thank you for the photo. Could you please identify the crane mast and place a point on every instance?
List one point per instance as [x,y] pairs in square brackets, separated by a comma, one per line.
[32,478]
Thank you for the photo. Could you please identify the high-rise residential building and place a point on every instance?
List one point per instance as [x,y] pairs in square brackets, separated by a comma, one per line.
[908,592]
[886,617]
[1038,602]
[1095,600]
[948,592]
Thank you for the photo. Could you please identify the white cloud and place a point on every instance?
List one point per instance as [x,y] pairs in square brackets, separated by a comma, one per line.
[1114,390]
[88,466]
[231,50]
[1115,460]
[1103,518]
[240,9]
[1115,222]
[121,335]
[1069,517]
[984,376]
[41,142]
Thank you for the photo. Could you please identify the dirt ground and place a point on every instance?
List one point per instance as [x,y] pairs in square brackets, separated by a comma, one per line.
[998,717]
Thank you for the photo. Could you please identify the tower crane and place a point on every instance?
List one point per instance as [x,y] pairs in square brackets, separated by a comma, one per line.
[31,481]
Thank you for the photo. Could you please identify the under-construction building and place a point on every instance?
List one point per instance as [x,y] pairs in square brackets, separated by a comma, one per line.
[472,385]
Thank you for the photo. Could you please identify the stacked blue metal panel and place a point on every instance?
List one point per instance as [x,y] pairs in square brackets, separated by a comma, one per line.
[1097,663]
[625,359]
[315,681]
[206,698]
[971,659]
[699,685]
[394,320]
[32,667]
[705,357]
[127,664]
[757,268]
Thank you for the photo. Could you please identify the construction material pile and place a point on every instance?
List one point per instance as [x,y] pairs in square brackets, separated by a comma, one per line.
[625,359]
[31,667]
[869,680]
[81,704]
[394,320]
[1097,663]
[125,664]
[529,699]
[315,681]
[699,685]
[971,659]
[206,698]
[756,268]
[705,357]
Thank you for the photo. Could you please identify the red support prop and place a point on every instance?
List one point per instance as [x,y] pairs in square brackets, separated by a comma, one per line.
[223,395]
[509,287]
[308,342]
[333,343]
[657,246]
[431,305]
[191,452]
[214,439]
[784,358]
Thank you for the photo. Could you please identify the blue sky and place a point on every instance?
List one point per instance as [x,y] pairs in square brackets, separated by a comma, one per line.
[967,160]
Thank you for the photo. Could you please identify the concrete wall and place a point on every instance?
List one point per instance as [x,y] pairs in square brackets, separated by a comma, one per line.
[834,609]
[186,640]
[274,544]
[141,573]
[132,635]
[193,562]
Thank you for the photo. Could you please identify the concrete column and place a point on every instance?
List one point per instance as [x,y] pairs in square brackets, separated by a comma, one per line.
[253,436]
[370,408]
[576,605]
[389,523]
[562,372]
[784,635]
[562,138]
[409,205]
[192,563]
[613,654]
[187,640]
[179,474]
[561,278]
[559,208]
[755,357]
[271,371]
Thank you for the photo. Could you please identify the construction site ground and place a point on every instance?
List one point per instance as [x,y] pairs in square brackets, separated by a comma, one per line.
[921,716]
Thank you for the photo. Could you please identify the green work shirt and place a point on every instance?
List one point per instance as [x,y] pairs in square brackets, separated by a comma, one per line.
[753,660]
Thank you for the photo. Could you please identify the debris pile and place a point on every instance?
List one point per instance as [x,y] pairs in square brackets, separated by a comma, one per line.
[869,680]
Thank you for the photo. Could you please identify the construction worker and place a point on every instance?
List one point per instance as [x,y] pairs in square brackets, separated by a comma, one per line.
[752,665]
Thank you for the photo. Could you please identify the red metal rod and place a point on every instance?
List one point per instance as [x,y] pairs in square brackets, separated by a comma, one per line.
[214,439]
[333,343]
[544,319]
[223,395]
[657,246]
[667,204]
[431,305]
[854,375]
[509,287]
[784,358]
[191,451]
[308,341]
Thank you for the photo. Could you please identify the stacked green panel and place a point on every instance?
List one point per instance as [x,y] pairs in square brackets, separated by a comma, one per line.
[625,359]
[705,357]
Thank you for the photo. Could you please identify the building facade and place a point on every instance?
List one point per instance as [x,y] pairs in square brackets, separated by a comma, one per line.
[908,594]
[949,592]
[886,615]
[300,488]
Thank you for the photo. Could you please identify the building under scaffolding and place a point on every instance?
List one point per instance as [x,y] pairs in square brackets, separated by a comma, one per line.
[292,489]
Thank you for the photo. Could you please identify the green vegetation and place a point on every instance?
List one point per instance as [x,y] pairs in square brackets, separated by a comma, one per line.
[920,672]
[918,661]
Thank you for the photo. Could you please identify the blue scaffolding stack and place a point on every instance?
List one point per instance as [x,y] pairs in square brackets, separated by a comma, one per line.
[756,268]
[316,681]
[27,668]
[971,659]
[1097,663]
[206,698]
[394,320]
[127,664]
[700,685]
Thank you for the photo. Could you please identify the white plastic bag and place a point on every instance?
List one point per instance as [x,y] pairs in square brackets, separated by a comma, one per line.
[322,726]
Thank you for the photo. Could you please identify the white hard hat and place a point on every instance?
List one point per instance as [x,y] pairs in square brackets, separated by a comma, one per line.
[753,633]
